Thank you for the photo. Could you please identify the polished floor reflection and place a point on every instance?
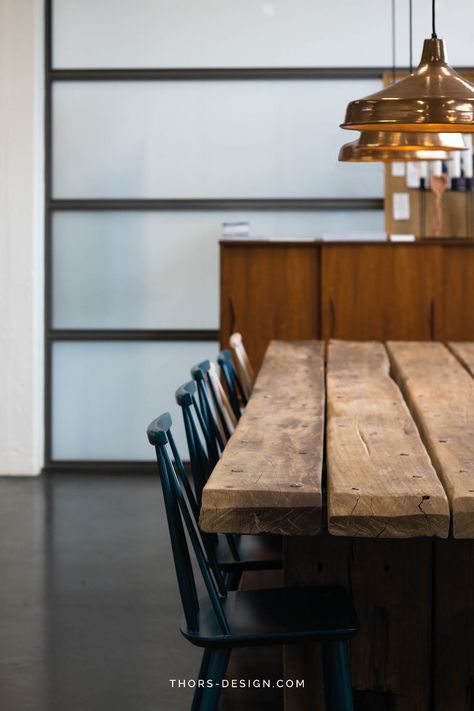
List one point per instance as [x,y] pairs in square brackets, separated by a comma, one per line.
[89,605]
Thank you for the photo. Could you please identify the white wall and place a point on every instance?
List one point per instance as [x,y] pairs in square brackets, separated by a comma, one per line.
[21,237]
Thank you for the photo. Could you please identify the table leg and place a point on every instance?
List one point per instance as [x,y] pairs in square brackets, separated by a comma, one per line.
[454,630]
[391,584]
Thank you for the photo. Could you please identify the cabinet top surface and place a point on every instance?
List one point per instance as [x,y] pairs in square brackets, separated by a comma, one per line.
[445,242]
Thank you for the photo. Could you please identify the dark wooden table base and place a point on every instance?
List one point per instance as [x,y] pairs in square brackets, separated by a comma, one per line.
[415,600]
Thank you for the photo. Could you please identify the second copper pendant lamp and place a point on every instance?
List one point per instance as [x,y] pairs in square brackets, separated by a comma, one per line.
[390,146]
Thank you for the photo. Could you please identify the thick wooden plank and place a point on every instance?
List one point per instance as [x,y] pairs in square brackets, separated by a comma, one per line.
[268,479]
[390,583]
[381,482]
[440,393]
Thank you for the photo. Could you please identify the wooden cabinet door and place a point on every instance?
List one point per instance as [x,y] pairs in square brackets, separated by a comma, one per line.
[455,315]
[380,291]
[269,290]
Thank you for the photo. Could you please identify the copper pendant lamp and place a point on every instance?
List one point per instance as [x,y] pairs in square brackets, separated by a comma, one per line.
[387,146]
[434,98]
[357,152]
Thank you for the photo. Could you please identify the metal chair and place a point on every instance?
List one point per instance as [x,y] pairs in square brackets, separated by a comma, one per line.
[244,367]
[235,390]
[223,620]
[234,553]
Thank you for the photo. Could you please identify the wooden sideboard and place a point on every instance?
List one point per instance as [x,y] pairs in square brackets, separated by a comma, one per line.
[357,291]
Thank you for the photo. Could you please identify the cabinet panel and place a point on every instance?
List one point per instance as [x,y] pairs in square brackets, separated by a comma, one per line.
[456,312]
[269,291]
[380,292]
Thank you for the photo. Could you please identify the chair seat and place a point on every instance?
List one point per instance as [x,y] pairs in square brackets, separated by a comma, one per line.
[277,616]
[259,552]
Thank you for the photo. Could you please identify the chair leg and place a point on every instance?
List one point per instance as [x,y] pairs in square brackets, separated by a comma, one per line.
[202,676]
[232,580]
[219,659]
[337,677]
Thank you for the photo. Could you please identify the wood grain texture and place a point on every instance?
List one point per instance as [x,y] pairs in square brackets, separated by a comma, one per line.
[269,291]
[390,583]
[268,479]
[380,291]
[440,393]
[381,482]
[464,352]
[363,291]
[455,314]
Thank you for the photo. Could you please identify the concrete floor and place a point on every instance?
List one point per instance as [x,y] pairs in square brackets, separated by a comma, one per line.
[89,606]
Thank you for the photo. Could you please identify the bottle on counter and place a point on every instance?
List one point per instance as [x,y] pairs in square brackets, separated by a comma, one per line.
[466,162]
[454,171]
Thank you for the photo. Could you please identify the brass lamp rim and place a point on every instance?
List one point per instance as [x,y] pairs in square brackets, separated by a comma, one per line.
[434,98]
[401,141]
[353,152]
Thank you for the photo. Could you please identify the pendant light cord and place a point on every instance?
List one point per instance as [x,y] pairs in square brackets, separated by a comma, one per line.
[410,24]
[394,37]
[433,17]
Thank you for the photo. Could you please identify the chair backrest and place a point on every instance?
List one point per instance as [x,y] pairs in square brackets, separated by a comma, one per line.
[180,520]
[199,439]
[237,396]
[244,367]
[228,418]
[201,463]
[211,415]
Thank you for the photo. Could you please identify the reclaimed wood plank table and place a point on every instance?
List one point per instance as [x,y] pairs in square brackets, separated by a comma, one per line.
[392,517]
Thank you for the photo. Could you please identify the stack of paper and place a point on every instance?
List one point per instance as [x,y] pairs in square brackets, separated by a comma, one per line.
[235,230]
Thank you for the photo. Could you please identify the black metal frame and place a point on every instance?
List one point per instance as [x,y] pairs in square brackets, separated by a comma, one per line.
[53,205]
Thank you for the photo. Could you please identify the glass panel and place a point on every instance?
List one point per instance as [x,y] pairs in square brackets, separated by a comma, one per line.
[142,270]
[206,140]
[210,33]
[105,395]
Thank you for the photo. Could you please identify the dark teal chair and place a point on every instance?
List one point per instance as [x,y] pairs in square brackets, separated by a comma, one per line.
[235,390]
[222,620]
[234,553]
[210,410]
[210,403]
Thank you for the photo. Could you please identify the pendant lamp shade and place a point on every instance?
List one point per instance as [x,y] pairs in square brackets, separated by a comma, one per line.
[434,98]
[393,145]
[356,152]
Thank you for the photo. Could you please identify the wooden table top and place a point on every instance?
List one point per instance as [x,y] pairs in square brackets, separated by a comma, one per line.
[399,446]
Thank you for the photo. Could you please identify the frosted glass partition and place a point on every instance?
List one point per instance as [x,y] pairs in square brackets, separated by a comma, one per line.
[161,269]
[105,395]
[206,140]
[183,33]
[248,33]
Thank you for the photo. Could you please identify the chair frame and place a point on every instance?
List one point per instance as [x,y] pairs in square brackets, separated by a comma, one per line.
[182,527]
[238,398]
[211,418]
[244,367]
